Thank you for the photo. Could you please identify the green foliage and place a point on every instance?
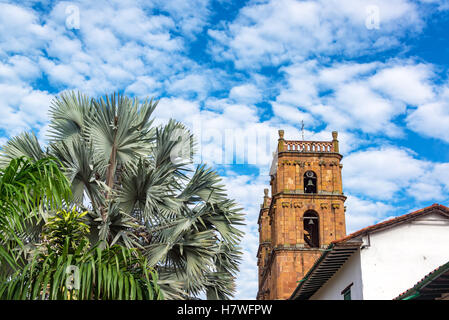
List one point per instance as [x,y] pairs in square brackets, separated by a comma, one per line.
[140,196]
[66,268]
[65,226]
[26,188]
[113,273]
[27,185]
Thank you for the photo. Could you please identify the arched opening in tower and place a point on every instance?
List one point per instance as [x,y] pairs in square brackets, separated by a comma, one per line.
[311,229]
[310,182]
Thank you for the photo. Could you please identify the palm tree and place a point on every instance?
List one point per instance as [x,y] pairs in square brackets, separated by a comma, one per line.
[27,188]
[65,267]
[33,262]
[127,174]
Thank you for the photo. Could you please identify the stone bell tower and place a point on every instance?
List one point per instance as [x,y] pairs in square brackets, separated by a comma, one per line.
[304,214]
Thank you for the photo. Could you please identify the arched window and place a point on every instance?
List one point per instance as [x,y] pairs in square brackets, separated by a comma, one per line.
[310,182]
[311,229]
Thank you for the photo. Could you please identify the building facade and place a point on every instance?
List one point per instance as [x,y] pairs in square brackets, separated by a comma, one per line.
[382,261]
[304,214]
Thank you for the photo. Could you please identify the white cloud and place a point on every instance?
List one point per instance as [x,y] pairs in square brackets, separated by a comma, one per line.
[176,108]
[302,84]
[380,173]
[248,191]
[144,86]
[391,173]
[196,84]
[364,109]
[362,213]
[246,93]
[431,119]
[19,29]
[409,83]
[22,108]
[115,43]
[192,16]
[426,190]
[227,133]
[118,45]
[272,32]
[292,114]
[344,72]
[365,96]
[18,68]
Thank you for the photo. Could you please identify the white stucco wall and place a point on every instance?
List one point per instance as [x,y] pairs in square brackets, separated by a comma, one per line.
[349,273]
[399,257]
[394,261]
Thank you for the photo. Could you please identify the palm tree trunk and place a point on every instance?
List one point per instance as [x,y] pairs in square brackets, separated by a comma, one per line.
[110,173]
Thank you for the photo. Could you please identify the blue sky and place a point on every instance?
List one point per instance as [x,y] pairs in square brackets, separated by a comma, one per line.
[375,71]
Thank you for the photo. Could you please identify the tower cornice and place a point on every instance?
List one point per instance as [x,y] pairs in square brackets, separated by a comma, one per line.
[308,154]
[299,194]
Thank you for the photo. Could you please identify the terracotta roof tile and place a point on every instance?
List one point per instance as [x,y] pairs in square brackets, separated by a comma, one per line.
[393,221]
[384,224]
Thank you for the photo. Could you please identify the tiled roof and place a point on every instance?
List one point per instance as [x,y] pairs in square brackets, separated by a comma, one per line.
[301,293]
[444,210]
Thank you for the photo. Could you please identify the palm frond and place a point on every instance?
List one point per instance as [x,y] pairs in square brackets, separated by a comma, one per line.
[27,188]
[80,168]
[113,273]
[119,131]
[69,113]
[23,145]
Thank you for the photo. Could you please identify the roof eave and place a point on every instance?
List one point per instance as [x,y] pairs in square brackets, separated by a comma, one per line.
[324,268]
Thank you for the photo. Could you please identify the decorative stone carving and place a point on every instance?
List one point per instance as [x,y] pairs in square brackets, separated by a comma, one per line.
[281,134]
[297,204]
[335,205]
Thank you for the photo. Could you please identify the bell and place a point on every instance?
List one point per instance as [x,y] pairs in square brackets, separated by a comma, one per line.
[310,183]
[310,221]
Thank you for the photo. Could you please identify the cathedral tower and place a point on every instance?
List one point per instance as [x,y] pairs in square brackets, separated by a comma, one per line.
[303,216]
